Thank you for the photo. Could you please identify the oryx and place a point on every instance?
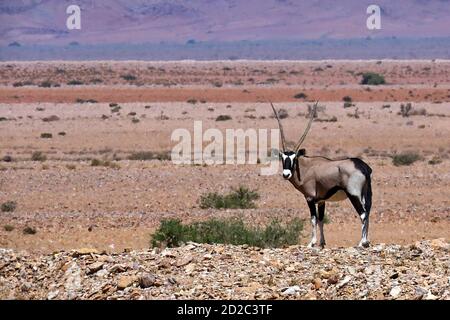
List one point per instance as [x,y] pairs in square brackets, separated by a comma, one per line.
[321,179]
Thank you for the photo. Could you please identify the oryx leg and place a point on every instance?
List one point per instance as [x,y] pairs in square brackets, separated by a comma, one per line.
[364,216]
[312,209]
[321,207]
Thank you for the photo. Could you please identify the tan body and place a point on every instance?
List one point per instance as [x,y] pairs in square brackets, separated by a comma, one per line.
[321,179]
[318,175]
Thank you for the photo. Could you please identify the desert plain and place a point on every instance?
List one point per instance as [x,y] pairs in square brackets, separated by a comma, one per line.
[110,111]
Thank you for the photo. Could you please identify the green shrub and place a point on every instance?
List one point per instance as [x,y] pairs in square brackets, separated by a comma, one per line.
[223,117]
[8,206]
[435,160]
[240,198]
[46,135]
[300,95]
[8,227]
[75,83]
[128,77]
[29,230]
[172,233]
[45,84]
[348,104]
[149,155]
[372,78]
[104,163]
[405,159]
[38,156]
[347,99]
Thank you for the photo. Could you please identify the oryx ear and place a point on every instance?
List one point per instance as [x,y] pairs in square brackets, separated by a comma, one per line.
[301,152]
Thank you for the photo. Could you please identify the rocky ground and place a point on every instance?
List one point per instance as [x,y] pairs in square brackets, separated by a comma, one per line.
[201,271]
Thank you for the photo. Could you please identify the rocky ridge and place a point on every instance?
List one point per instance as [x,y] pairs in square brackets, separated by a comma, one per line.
[202,271]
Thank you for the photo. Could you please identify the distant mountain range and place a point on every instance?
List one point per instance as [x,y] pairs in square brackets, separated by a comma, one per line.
[176,23]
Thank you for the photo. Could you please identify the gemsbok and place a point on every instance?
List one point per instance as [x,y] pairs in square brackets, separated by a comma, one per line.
[321,179]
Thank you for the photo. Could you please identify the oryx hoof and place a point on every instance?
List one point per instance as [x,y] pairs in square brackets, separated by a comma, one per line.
[364,244]
[312,244]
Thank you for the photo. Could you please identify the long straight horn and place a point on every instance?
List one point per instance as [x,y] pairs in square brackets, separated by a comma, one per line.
[283,140]
[311,118]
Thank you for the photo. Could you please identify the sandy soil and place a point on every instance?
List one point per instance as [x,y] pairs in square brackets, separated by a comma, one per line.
[72,204]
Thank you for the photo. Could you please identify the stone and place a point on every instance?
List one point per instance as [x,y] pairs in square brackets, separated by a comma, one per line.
[52,294]
[85,251]
[333,279]
[344,282]
[125,282]
[73,281]
[395,291]
[186,260]
[440,243]
[118,268]
[146,281]
[190,268]
[317,283]
[430,296]
[94,267]
[420,292]
[290,290]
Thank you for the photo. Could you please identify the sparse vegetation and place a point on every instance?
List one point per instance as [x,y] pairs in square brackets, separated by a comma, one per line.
[300,95]
[115,109]
[75,83]
[372,78]
[435,160]
[38,156]
[50,118]
[405,158]
[407,110]
[96,81]
[348,105]
[347,99]
[149,155]
[45,84]
[104,163]
[79,100]
[283,114]
[29,230]
[8,206]
[223,117]
[8,227]
[240,198]
[46,135]
[128,77]
[172,233]
[192,101]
